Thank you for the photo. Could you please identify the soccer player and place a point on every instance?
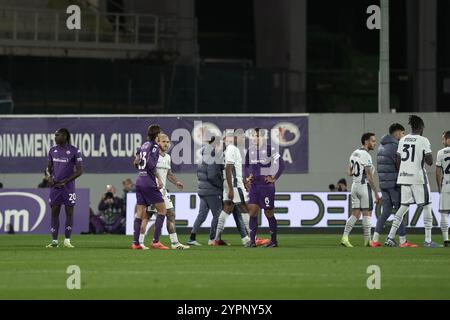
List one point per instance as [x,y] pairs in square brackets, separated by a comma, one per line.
[390,191]
[64,166]
[164,172]
[233,187]
[362,170]
[443,183]
[263,167]
[413,151]
[147,191]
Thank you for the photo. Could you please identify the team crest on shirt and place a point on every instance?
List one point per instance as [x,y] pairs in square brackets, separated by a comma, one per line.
[67,152]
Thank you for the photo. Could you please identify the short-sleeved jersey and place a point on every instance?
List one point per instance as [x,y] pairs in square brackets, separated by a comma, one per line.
[232,155]
[163,166]
[149,154]
[412,149]
[360,161]
[262,162]
[64,160]
[443,161]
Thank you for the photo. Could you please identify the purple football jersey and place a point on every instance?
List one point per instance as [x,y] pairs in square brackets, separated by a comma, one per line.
[262,162]
[64,161]
[149,154]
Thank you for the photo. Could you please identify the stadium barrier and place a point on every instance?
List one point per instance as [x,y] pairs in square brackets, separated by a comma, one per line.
[28,211]
[292,209]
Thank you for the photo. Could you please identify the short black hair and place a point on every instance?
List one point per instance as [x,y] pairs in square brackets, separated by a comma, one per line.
[446,135]
[66,132]
[343,181]
[416,122]
[331,187]
[153,131]
[366,136]
[396,127]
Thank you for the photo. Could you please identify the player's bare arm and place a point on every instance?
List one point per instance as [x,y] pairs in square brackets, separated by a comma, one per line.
[160,182]
[369,175]
[78,172]
[173,179]
[349,171]
[49,172]
[228,173]
[429,159]
[439,177]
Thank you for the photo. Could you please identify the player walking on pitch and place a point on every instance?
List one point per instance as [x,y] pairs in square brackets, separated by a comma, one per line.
[413,151]
[147,191]
[263,166]
[362,170]
[164,173]
[443,183]
[64,166]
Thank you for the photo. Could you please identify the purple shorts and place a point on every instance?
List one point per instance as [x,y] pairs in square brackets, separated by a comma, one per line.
[146,196]
[262,195]
[62,196]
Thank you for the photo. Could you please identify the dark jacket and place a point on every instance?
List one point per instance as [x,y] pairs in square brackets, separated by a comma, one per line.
[209,173]
[387,171]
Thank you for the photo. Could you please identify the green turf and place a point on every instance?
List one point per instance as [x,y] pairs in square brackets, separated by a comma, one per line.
[303,267]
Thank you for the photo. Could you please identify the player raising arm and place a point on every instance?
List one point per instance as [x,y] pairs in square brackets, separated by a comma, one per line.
[443,184]
[362,169]
[64,166]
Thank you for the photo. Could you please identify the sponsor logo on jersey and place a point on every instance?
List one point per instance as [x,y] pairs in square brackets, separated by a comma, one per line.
[406,174]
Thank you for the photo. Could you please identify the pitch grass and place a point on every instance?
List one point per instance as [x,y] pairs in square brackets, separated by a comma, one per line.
[303,267]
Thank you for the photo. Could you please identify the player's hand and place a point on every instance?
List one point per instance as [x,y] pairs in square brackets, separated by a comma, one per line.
[377,198]
[179,185]
[137,161]
[269,179]
[50,180]
[160,184]
[59,185]
[231,194]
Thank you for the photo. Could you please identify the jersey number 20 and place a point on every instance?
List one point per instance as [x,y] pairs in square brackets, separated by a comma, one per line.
[356,169]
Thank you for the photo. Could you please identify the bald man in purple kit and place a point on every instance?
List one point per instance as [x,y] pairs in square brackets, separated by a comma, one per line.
[64,166]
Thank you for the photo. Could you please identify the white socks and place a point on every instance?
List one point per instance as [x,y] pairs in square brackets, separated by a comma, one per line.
[246,218]
[173,238]
[428,222]
[376,237]
[366,227]
[245,240]
[402,240]
[397,220]
[349,225]
[444,226]
[141,238]
[221,224]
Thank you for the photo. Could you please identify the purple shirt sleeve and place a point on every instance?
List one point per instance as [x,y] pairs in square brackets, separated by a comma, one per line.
[152,158]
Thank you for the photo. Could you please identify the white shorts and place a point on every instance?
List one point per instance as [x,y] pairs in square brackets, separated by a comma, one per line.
[362,197]
[444,202]
[240,194]
[167,201]
[416,193]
